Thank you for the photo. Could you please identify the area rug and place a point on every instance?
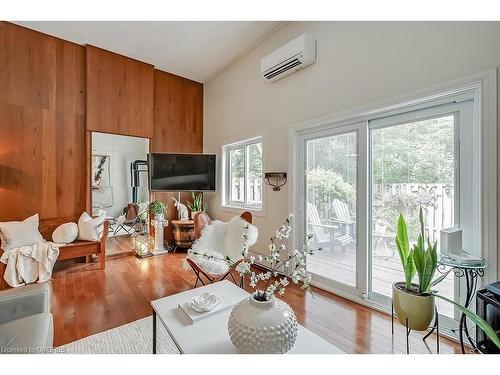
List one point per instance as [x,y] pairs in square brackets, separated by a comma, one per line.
[131,338]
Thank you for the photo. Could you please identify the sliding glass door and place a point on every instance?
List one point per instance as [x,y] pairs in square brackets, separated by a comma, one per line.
[358,178]
[414,163]
[330,206]
[331,177]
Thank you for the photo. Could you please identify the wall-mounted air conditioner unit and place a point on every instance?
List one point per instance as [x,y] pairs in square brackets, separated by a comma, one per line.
[293,56]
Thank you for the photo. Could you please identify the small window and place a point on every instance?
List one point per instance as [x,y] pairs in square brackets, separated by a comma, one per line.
[243,174]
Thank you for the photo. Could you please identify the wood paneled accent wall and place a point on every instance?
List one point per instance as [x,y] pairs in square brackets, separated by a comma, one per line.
[178,125]
[119,94]
[53,93]
[42,125]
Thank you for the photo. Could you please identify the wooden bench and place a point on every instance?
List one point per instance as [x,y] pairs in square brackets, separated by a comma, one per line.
[75,249]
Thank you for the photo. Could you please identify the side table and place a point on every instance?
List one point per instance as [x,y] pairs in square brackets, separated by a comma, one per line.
[183,233]
[470,273]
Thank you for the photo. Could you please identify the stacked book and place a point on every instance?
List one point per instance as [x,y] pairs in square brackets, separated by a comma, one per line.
[466,259]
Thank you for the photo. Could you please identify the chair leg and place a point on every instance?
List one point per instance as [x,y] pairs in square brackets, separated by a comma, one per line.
[232,277]
[102,256]
[198,278]
[242,282]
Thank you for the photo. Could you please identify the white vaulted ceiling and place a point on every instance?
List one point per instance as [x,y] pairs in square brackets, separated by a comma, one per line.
[196,49]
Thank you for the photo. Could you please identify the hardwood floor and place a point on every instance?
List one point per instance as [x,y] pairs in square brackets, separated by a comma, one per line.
[119,246]
[88,300]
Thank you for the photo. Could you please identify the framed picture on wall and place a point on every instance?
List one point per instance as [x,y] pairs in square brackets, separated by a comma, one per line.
[100,171]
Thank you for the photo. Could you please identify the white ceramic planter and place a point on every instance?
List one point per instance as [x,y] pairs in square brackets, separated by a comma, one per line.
[414,310]
[257,327]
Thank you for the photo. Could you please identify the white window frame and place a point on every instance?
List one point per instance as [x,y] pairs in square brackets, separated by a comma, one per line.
[482,87]
[227,204]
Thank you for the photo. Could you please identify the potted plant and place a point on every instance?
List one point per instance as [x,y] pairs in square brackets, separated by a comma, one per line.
[414,302]
[158,209]
[197,204]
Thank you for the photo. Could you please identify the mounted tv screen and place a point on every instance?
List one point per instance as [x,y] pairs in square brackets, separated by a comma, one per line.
[181,172]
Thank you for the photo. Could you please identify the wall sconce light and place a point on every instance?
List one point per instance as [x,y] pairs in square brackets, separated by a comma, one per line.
[142,245]
[275,179]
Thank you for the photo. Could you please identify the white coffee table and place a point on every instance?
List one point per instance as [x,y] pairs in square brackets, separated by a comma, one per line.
[210,335]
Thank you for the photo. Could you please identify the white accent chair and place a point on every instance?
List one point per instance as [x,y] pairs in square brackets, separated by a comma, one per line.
[208,262]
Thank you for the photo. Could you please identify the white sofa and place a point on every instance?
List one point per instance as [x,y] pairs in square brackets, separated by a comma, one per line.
[26,324]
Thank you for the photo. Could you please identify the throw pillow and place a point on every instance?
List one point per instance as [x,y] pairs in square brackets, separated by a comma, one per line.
[20,233]
[65,233]
[89,228]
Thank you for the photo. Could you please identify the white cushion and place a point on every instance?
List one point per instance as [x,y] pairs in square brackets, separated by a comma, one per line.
[65,233]
[211,262]
[20,233]
[89,228]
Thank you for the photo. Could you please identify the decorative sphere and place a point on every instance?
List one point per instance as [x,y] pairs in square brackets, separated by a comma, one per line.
[262,327]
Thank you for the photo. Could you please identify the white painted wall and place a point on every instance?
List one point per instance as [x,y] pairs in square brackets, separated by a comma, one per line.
[358,63]
[123,150]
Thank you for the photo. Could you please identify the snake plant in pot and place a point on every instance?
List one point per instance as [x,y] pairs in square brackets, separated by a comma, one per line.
[197,204]
[414,303]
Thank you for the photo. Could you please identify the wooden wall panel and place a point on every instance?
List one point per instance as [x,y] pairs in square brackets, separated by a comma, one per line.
[43,138]
[42,125]
[119,94]
[178,126]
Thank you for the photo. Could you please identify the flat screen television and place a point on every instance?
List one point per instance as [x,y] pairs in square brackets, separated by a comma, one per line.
[181,172]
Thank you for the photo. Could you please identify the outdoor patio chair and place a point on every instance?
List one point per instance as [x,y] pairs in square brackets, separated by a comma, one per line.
[345,222]
[323,233]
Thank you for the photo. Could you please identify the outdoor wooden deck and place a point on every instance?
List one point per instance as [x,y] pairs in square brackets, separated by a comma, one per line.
[340,266]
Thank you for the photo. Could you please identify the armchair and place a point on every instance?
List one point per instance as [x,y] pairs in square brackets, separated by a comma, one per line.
[216,244]
[26,324]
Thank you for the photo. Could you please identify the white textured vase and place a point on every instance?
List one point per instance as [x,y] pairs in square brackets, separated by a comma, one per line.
[262,327]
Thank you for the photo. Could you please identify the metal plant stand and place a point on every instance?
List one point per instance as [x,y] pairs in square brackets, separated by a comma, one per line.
[471,273]
[435,327]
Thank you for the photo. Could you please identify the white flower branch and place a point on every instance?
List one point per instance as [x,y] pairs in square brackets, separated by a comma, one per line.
[277,248]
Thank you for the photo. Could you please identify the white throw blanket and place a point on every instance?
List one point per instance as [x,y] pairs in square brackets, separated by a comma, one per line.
[219,240]
[26,264]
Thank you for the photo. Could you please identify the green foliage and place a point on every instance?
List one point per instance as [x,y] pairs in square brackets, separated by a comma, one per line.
[197,204]
[420,259]
[329,185]
[255,161]
[337,153]
[425,259]
[405,254]
[421,151]
[158,207]
[481,323]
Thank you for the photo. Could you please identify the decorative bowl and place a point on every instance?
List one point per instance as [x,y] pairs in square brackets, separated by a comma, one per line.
[204,303]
